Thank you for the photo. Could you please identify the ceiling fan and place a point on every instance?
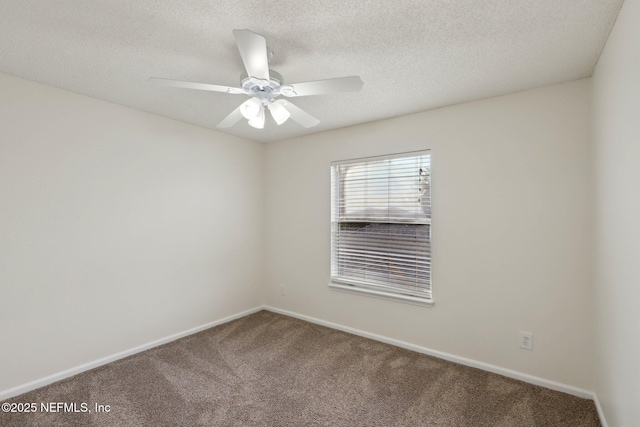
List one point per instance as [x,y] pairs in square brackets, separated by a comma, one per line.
[264,86]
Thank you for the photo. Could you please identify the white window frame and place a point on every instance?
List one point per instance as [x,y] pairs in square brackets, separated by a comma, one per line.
[362,287]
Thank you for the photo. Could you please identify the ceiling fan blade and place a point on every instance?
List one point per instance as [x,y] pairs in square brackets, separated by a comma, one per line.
[197,86]
[322,87]
[253,49]
[231,119]
[300,116]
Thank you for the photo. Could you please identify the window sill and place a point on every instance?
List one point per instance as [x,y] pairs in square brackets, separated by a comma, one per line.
[407,299]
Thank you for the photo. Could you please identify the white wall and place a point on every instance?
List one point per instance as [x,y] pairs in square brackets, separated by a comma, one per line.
[511,199]
[616,130]
[117,228]
[120,227]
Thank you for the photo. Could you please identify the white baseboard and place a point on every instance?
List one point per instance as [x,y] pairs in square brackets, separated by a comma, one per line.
[24,388]
[603,420]
[575,391]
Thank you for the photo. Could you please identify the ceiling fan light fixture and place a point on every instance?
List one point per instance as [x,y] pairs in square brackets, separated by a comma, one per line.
[258,121]
[279,113]
[251,108]
[264,85]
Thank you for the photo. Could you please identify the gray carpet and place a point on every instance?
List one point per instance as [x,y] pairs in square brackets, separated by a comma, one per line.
[272,370]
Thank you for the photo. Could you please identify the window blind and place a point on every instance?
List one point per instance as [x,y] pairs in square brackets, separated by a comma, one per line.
[381,223]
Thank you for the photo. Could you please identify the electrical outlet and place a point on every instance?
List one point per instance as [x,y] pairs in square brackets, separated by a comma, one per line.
[283,290]
[526,340]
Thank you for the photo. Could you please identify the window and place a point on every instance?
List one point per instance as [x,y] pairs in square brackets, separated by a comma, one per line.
[381,226]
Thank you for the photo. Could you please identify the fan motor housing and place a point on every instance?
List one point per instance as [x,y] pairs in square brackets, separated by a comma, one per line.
[265,90]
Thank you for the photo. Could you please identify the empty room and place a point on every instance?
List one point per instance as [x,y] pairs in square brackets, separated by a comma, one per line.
[340,213]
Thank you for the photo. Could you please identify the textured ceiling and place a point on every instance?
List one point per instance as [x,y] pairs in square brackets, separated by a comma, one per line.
[411,55]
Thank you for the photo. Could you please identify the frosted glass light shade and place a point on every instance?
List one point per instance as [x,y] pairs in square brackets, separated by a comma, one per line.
[251,108]
[279,113]
[258,121]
